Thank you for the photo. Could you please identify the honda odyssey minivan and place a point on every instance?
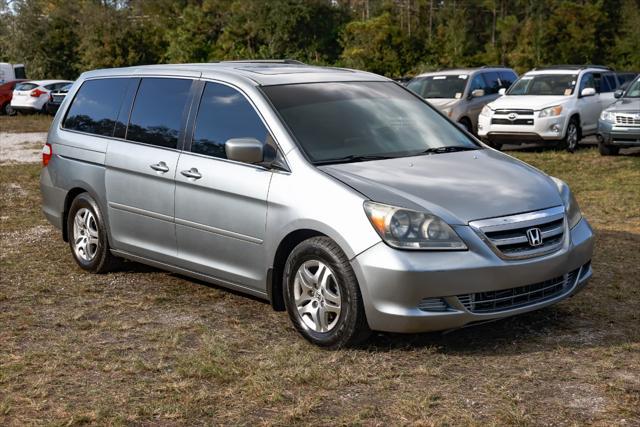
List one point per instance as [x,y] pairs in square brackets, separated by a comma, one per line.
[337,195]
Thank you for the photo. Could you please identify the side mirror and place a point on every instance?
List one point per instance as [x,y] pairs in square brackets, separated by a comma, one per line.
[246,150]
[588,91]
[477,93]
[502,91]
[618,93]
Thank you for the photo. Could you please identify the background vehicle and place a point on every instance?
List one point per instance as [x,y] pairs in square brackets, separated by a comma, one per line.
[462,93]
[32,96]
[9,72]
[55,99]
[559,104]
[6,93]
[619,124]
[624,78]
[338,195]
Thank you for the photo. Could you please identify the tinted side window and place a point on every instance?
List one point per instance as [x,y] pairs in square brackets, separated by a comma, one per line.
[507,78]
[224,114]
[609,83]
[587,81]
[158,110]
[95,106]
[478,83]
[493,82]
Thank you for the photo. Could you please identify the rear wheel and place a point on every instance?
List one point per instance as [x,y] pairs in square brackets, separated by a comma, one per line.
[87,235]
[322,295]
[8,109]
[467,124]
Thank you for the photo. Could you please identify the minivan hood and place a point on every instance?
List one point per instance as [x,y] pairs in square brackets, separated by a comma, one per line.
[458,187]
[527,102]
[625,105]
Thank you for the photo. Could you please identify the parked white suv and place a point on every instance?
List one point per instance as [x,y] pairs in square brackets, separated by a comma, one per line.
[32,96]
[558,104]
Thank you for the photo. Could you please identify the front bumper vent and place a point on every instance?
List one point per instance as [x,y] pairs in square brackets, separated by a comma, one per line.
[433,304]
[508,299]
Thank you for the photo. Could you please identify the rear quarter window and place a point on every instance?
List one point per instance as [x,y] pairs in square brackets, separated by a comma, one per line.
[95,107]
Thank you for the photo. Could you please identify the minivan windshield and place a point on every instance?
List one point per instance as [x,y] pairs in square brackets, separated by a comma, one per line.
[634,90]
[344,122]
[432,87]
[544,84]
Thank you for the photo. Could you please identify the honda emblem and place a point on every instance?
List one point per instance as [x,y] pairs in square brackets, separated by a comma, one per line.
[534,236]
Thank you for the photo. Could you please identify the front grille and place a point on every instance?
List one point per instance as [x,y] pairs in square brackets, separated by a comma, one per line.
[508,236]
[495,121]
[627,119]
[508,299]
[518,112]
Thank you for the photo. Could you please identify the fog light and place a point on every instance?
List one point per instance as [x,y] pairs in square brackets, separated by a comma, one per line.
[555,128]
[480,127]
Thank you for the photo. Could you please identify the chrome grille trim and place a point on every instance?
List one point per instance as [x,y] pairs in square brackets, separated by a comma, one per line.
[627,119]
[506,236]
[512,298]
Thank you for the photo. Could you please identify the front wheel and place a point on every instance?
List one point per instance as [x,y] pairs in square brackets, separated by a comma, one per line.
[8,109]
[322,295]
[607,150]
[572,138]
[87,235]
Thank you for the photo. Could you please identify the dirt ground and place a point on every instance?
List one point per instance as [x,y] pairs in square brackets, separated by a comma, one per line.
[146,347]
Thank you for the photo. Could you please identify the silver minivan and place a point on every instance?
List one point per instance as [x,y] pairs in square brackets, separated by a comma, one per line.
[335,194]
[461,93]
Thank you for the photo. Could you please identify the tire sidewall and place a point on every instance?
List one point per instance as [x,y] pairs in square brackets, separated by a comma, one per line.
[309,251]
[84,200]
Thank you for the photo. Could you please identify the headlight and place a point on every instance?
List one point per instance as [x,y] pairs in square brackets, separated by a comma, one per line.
[551,111]
[407,229]
[570,204]
[608,116]
[486,111]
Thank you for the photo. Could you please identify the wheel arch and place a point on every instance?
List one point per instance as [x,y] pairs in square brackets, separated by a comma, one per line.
[68,200]
[276,272]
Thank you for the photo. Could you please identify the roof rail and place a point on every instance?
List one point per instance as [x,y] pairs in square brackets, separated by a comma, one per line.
[264,61]
[572,67]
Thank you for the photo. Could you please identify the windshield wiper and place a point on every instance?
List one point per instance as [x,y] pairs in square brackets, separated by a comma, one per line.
[451,149]
[353,158]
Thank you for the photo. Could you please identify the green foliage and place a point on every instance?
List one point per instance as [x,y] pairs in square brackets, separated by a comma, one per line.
[61,38]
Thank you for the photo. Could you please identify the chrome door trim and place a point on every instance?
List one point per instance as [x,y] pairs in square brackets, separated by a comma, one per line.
[140,211]
[218,231]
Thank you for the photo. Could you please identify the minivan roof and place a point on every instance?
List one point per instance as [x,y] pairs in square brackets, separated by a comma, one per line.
[454,71]
[262,73]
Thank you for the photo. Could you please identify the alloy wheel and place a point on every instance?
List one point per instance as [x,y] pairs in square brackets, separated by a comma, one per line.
[85,235]
[317,296]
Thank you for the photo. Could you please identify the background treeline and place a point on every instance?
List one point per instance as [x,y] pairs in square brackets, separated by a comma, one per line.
[61,38]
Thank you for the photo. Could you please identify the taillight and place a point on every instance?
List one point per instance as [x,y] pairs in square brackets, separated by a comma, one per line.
[47,153]
[37,92]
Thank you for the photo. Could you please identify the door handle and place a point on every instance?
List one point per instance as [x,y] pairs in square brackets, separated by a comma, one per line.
[192,173]
[160,167]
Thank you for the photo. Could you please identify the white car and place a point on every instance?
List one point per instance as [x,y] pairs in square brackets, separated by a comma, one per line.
[557,104]
[32,96]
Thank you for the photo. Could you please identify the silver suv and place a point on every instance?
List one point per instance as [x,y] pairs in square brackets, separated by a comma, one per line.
[335,194]
[460,94]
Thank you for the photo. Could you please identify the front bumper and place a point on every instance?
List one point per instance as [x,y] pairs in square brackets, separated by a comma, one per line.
[623,136]
[394,283]
[543,130]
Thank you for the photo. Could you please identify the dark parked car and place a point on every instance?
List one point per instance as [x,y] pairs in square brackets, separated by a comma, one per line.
[55,99]
[6,93]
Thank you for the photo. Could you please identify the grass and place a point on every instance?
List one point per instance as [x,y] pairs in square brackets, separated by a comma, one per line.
[25,123]
[141,346]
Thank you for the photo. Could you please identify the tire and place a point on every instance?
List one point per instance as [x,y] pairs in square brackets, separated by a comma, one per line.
[494,145]
[467,125]
[318,278]
[8,109]
[607,150]
[88,237]
[572,137]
